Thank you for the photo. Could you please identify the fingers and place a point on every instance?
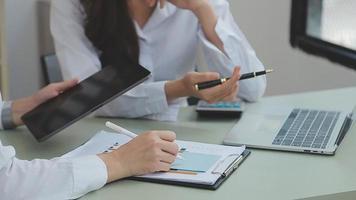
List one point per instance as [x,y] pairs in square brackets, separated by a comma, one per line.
[65,85]
[233,96]
[225,91]
[206,76]
[167,157]
[231,85]
[166,161]
[54,90]
[170,147]
[164,167]
[163,141]
[165,149]
[218,93]
[167,144]
[167,135]
[235,76]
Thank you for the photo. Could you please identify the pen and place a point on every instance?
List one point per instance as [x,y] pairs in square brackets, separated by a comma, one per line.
[209,84]
[121,130]
[126,132]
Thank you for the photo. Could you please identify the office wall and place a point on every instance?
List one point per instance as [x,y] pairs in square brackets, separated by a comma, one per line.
[1,39]
[3,66]
[24,72]
[266,24]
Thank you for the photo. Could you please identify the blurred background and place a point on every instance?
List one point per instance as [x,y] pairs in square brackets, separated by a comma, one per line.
[25,38]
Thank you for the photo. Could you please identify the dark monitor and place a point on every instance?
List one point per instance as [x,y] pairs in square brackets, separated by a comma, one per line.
[58,113]
[325,28]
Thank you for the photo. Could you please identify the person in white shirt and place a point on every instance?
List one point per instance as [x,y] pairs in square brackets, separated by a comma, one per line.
[61,178]
[165,37]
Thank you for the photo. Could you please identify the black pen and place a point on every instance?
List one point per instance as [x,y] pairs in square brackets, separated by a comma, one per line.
[210,84]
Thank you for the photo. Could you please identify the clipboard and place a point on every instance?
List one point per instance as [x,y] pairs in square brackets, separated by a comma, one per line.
[224,176]
[229,158]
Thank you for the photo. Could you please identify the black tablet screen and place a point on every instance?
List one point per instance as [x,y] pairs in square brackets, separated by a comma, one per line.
[58,113]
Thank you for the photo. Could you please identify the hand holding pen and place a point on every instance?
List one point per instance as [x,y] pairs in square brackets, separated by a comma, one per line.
[226,92]
[126,132]
[213,83]
[185,87]
[152,151]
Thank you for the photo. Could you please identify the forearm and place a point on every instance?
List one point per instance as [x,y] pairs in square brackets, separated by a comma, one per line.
[12,111]
[20,107]
[208,20]
[54,179]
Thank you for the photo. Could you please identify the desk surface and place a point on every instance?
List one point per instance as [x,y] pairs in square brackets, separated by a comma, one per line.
[264,175]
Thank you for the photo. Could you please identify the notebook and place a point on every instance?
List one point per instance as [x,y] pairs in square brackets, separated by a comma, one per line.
[210,165]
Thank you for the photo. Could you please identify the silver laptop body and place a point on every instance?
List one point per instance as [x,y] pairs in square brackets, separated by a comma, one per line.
[298,130]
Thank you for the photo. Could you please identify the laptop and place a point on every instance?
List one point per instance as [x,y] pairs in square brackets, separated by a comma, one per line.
[296,129]
[99,89]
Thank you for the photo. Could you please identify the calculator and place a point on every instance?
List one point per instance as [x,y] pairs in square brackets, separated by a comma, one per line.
[220,109]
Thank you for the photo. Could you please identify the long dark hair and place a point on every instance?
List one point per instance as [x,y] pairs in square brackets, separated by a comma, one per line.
[108,25]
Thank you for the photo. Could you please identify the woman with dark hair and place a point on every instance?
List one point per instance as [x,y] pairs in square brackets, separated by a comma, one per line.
[164,36]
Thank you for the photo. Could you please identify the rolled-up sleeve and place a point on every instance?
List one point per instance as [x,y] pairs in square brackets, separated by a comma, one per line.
[79,59]
[49,179]
[237,52]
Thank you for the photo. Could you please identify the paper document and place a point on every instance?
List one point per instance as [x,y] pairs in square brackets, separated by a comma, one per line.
[196,162]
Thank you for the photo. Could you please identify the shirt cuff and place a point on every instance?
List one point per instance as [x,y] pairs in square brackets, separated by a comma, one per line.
[1,106]
[89,174]
[6,116]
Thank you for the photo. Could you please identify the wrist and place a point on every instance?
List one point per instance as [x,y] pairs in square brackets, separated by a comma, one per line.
[115,169]
[20,107]
[176,89]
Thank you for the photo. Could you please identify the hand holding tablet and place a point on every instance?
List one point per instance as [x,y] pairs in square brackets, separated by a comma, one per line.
[58,113]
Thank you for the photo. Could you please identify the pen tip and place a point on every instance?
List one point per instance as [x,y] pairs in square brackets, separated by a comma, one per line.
[269,70]
[109,124]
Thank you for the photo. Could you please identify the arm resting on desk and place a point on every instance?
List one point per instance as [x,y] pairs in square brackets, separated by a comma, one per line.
[51,179]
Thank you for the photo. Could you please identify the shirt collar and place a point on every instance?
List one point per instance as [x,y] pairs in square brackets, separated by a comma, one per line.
[158,16]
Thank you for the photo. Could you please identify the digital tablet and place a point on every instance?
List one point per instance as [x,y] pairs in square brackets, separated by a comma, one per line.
[58,113]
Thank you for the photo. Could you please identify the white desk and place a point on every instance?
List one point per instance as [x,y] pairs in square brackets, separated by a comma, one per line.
[264,175]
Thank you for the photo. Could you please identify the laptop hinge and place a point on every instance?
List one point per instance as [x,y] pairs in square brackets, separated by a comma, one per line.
[344,129]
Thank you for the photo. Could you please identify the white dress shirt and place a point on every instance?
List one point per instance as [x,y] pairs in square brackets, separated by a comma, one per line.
[48,179]
[169,45]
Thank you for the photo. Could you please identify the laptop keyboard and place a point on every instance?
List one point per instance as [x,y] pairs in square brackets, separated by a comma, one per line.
[307,128]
